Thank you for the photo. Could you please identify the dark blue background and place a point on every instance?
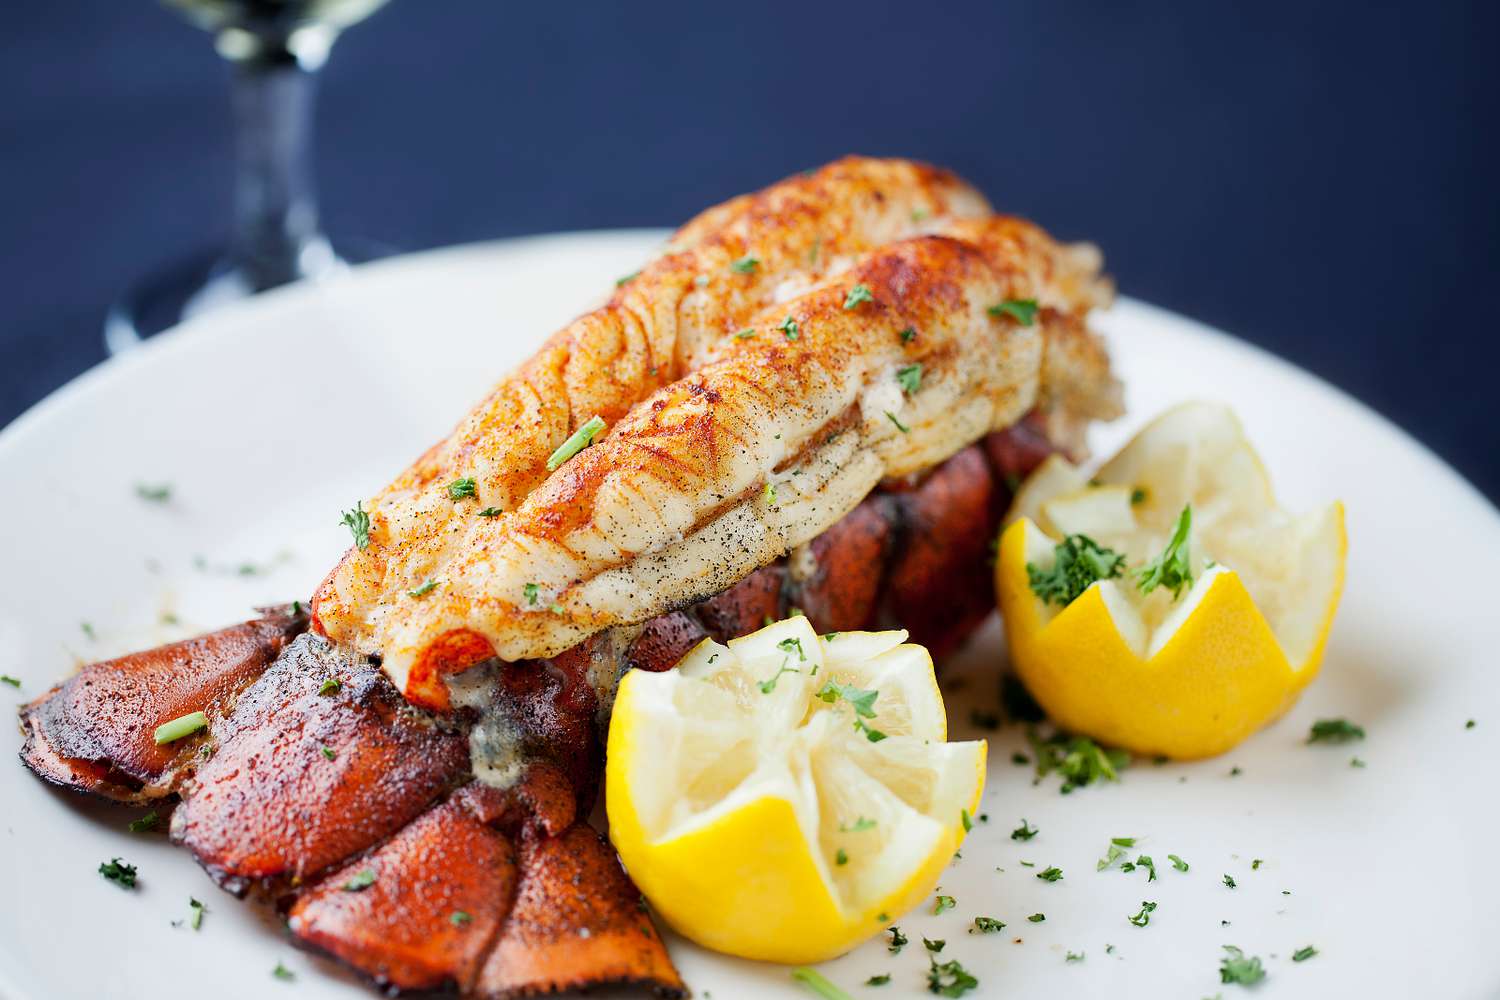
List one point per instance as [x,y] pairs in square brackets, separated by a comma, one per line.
[1319,178]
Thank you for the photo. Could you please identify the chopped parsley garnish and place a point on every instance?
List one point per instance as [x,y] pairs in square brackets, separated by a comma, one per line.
[329,752]
[282,972]
[1137,496]
[330,686]
[795,646]
[117,871]
[358,523]
[1255,865]
[745,334]
[949,979]
[745,265]
[898,940]
[1303,954]
[934,946]
[1143,918]
[460,488]
[491,512]
[146,823]
[426,588]
[1051,874]
[908,335]
[183,725]
[195,916]
[530,591]
[966,820]
[1229,881]
[1077,562]
[943,904]
[1172,569]
[1073,956]
[790,328]
[360,881]
[1335,731]
[1143,861]
[910,378]
[1470,724]
[1177,862]
[858,295]
[1356,762]
[841,857]
[1037,918]
[14,682]
[1078,759]
[988,925]
[459,918]
[576,442]
[897,421]
[860,825]
[159,493]
[622,282]
[1236,968]
[879,980]
[862,701]
[1023,311]
[1116,851]
[769,685]
[1024,832]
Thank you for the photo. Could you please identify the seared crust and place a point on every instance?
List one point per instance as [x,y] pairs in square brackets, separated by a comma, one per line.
[723,452]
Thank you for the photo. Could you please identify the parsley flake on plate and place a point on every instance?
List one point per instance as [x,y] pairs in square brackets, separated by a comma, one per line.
[154,493]
[1143,918]
[145,823]
[949,979]
[1037,918]
[1303,954]
[933,946]
[1335,731]
[1079,760]
[879,980]
[1052,874]
[943,904]
[910,378]
[1229,881]
[117,871]
[14,682]
[988,925]
[1236,968]
[898,940]
[195,918]
[1177,862]
[283,973]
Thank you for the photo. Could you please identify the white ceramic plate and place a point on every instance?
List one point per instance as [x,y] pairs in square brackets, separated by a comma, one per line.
[270,418]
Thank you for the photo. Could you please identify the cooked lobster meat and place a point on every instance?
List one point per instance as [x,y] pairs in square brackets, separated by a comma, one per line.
[818,399]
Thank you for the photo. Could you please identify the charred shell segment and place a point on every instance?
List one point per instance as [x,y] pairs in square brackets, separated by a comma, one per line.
[95,732]
[271,808]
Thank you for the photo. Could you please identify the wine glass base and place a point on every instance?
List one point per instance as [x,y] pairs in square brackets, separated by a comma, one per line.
[207,281]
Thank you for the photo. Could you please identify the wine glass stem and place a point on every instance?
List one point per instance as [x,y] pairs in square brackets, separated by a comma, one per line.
[276,238]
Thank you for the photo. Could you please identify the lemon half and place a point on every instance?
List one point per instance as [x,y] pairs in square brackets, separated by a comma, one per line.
[770,806]
[1186,675]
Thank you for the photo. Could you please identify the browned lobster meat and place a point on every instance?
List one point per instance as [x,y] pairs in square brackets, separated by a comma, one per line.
[315,777]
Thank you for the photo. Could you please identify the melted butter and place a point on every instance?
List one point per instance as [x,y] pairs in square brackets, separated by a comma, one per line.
[495,755]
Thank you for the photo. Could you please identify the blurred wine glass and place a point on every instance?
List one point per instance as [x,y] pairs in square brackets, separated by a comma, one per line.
[275,49]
